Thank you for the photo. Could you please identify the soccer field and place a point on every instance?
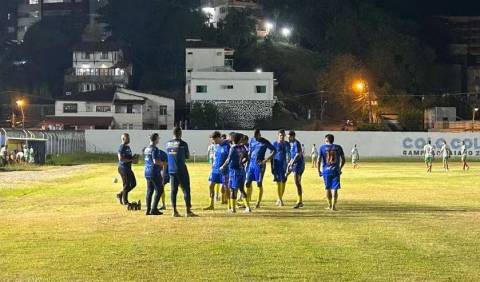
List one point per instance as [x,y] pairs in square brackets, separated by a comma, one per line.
[395,223]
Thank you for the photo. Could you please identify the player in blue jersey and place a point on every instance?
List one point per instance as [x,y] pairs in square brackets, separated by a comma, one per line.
[279,165]
[296,166]
[166,179]
[154,163]
[330,164]
[125,159]
[217,176]
[178,153]
[258,147]
[235,162]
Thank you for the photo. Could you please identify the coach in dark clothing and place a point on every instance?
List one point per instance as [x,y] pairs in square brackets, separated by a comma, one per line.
[125,159]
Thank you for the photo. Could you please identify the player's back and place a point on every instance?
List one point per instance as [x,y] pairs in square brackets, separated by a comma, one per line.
[221,154]
[296,148]
[331,156]
[237,154]
[177,151]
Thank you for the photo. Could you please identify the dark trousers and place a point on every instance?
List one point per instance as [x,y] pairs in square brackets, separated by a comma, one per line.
[181,179]
[128,180]
[154,184]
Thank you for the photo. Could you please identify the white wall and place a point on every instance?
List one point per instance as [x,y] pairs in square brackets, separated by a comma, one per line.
[370,144]
[204,58]
[84,109]
[244,86]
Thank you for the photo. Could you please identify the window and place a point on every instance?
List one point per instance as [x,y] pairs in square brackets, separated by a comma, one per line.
[129,109]
[202,89]
[227,87]
[162,110]
[190,53]
[219,54]
[127,126]
[260,89]
[85,56]
[104,56]
[70,108]
[103,109]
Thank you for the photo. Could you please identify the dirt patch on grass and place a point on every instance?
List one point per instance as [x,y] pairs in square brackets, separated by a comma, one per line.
[12,179]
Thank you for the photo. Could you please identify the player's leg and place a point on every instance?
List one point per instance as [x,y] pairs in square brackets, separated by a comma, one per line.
[174,183]
[211,188]
[159,190]
[329,195]
[123,176]
[260,174]
[298,184]
[148,197]
[233,200]
[248,209]
[164,206]
[185,184]
[131,183]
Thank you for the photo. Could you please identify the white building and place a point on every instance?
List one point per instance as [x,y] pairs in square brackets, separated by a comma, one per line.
[243,97]
[97,65]
[112,109]
[217,10]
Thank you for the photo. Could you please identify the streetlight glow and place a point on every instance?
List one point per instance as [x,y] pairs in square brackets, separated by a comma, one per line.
[20,103]
[286,31]
[269,26]
[259,70]
[359,86]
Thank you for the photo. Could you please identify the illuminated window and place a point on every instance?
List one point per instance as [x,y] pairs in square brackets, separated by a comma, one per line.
[103,109]
[70,108]
[163,110]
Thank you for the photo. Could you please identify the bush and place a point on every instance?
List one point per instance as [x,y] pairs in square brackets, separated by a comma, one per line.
[372,127]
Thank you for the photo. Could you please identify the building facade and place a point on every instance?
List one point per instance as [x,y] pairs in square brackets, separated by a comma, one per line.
[242,98]
[97,65]
[8,20]
[112,109]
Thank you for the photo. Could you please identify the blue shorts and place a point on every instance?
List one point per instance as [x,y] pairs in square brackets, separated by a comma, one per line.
[236,179]
[298,168]
[255,172]
[279,171]
[332,181]
[219,177]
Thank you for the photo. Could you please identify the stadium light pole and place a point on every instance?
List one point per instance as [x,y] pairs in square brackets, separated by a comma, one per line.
[361,87]
[475,110]
[21,103]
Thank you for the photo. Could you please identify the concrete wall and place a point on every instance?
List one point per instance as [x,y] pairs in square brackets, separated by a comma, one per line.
[370,144]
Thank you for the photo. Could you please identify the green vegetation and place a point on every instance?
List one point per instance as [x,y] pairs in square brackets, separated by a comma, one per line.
[395,223]
[80,158]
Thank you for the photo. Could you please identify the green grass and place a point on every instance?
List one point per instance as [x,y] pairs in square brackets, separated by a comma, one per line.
[80,158]
[395,223]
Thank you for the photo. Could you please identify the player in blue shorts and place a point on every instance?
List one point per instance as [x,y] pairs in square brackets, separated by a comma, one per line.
[154,163]
[166,179]
[178,153]
[279,165]
[330,164]
[296,166]
[218,176]
[235,162]
[258,147]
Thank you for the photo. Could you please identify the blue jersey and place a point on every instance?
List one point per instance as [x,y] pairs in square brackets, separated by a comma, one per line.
[282,151]
[152,154]
[221,154]
[331,156]
[296,148]
[126,153]
[235,157]
[177,151]
[258,148]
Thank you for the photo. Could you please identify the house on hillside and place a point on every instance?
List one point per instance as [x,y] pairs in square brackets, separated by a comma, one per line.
[112,109]
[242,97]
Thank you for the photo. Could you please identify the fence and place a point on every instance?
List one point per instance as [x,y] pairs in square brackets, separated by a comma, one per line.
[58,142]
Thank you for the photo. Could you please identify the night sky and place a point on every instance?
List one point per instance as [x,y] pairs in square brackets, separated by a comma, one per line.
[425,8]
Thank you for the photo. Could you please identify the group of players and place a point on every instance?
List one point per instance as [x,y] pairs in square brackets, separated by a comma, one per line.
[446,153]
[238,162]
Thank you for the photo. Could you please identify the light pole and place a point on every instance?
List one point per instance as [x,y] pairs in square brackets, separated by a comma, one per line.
[361,87]
[20,104]
[475,110]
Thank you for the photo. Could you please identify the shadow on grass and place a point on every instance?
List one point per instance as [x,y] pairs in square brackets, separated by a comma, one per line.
[358,209]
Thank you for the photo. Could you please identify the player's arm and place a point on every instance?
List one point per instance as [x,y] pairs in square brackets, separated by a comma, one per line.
[272,149]
[319,161]
[342,158]
[227,161]
[187,152]
[298,155]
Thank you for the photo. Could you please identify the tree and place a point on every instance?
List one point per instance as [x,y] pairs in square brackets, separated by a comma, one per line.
[205,116]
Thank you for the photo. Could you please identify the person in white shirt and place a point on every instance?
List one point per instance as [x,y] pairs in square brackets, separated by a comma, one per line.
[446,153]
[211,153]
[314,155]
[4,155]
[464,154]
[429,152]
[355,156]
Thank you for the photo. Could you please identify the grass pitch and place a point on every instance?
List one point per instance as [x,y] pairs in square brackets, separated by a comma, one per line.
[395,223]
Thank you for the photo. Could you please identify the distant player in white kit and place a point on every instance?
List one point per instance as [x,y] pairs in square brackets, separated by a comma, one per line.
[446,153]
[314,155]
[355,156]
[429,152]
[464,153]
